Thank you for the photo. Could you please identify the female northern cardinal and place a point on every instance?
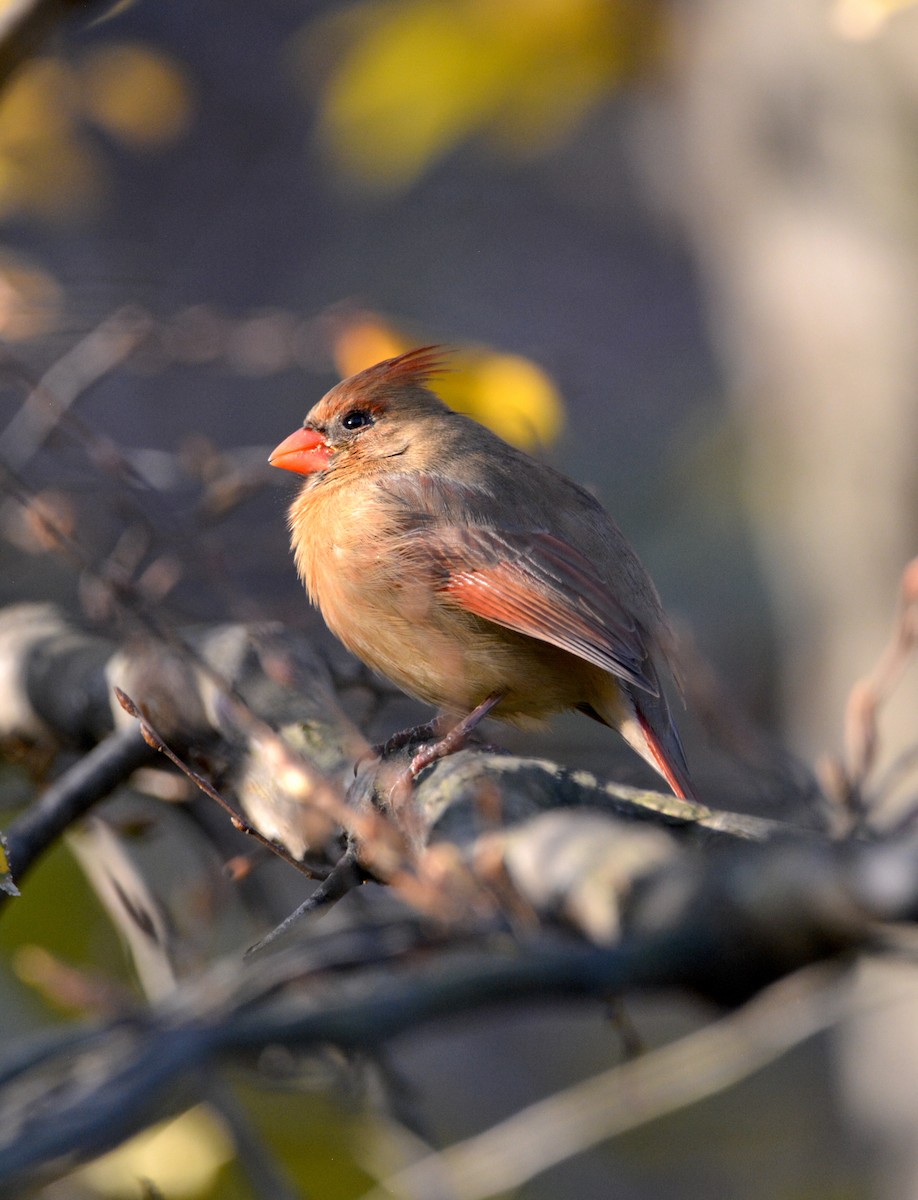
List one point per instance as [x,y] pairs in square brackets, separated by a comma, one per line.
[473,576]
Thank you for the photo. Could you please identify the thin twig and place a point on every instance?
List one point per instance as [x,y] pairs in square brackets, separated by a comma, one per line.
[107,345]
[158,743]
[372,828]
[131,903]
[360,988]
[869,694]
[629,1095]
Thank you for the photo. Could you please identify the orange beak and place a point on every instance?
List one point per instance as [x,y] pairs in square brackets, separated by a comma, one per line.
[305,451]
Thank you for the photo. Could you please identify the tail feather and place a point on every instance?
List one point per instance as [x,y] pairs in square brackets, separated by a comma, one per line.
[667,756]
[646,724]
[650,730]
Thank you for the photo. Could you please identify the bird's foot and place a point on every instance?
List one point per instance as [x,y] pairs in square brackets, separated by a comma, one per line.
[405,737]
[449,739]
[398,741]
[454,739]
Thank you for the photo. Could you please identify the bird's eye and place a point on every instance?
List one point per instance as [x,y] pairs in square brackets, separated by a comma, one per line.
[357,418]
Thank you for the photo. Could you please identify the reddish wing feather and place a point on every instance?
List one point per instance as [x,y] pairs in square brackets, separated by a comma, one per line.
[532,582]
[538,585]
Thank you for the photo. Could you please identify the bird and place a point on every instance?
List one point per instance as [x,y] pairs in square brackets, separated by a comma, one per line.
[478,579]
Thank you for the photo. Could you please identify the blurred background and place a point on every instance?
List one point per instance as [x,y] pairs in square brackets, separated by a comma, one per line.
[675,247]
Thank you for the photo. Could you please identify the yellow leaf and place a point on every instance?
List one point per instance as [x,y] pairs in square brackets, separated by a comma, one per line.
[38,104]
[412,78]
[45,168]
[181,1158]
[63,181]
[366,341]
[515,398]
[139,95]
[416,80]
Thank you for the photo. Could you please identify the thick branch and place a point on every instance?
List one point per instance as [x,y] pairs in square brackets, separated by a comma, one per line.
[91,778]
[725,925]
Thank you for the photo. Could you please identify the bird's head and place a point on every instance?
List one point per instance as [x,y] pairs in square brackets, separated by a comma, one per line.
[365,417]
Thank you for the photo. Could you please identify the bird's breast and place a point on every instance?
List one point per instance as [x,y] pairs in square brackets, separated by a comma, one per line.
[386,604]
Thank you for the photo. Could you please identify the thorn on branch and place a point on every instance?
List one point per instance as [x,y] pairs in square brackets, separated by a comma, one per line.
[345,876]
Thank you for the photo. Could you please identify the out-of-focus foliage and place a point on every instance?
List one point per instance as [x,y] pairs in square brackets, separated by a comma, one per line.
[139,96]
[410,79]
[319,1136]
[63,917]
[180,1158]
[50,168]
[30,299]
[861,19]
[507,392]
[47,170]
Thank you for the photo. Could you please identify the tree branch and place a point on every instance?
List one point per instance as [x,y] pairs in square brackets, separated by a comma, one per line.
[90,779]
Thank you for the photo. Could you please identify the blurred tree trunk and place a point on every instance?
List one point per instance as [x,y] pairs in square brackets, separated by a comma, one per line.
[798,152]
[798,187]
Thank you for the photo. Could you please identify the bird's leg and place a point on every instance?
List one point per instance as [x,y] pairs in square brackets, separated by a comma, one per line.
[417,733]
[455,738]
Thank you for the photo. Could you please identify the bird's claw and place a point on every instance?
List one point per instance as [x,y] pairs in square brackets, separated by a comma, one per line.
[418,733]
[398,741]
[449,739]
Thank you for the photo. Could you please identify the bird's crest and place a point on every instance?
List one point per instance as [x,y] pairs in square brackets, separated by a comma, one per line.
[417,366]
